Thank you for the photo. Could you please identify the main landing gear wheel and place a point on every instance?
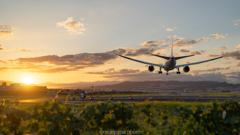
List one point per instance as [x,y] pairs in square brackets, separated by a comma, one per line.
[178,72]
[160,72]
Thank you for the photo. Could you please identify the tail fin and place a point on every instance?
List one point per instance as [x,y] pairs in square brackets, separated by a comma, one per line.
[172,47]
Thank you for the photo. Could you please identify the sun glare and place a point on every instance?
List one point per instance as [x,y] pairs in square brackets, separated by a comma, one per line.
[27,80]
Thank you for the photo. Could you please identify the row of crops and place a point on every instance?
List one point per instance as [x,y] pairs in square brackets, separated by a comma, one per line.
[57,118]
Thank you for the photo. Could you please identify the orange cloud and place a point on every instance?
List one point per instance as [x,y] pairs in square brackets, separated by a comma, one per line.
[1,48]
[72,62]
[217,36]
[17,49]
[238,64]
[171,29]
[238,47]
[236,22]
[72,26]
[211,55]
[5,30]
[184,50]
[197,52]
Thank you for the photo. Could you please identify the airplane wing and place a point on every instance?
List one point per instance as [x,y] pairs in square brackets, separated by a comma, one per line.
[141,61]
[197,62]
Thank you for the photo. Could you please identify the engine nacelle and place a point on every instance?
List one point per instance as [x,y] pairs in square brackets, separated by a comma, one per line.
[186,69]
[151,68]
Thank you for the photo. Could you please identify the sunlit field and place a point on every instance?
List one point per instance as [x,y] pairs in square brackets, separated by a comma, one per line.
[49,96]
[149,117]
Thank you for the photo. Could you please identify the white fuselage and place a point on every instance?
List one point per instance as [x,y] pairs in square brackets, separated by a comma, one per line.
[170,64]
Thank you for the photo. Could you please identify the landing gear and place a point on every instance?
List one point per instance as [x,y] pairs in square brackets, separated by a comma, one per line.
[178,72]
[167,73]
[160,72]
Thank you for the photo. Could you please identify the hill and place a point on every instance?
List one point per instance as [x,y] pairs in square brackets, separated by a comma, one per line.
[166,86]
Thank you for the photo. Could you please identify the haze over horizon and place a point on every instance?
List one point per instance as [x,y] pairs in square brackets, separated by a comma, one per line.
[76,41]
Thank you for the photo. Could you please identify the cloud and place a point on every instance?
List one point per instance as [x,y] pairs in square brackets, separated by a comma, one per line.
[137,75]
[211,55]
[238,64]
[197,52]
[153,43]
[23,50]
[184,50]
[72,26]
[171,29]
[112,71]
[196,72]
[5,27]
[236,22]
[217,36]
[235,54]
[5,30]
[238,47]
[1,48]
[73,62]
[233,77]
[181,42]
[86,59]
[222,49]
[16,49]
[203,39]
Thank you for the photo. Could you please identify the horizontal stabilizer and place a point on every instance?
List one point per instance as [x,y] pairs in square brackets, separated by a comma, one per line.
[176,58]
[164,57]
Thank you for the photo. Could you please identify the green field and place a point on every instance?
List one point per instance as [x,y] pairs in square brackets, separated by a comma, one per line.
[45,96]
[141,117]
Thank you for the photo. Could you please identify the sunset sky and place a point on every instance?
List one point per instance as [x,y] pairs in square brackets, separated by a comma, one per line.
[63,41]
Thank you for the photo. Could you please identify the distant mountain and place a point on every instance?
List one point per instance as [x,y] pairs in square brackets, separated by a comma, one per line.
[148,86]
[171,85]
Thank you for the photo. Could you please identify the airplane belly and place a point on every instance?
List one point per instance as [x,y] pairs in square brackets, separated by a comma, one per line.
[170,65]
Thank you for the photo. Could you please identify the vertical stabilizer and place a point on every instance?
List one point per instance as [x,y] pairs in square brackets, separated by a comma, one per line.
[172,47]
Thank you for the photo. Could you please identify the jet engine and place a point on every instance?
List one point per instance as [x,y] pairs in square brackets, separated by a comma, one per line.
[186,69]
[151,68]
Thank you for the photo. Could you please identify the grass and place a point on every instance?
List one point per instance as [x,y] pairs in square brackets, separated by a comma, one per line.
[34,96]
[45,96]
[216,94]
[50,97]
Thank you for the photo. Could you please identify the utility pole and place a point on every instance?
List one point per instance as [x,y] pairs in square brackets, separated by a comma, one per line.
[92,89]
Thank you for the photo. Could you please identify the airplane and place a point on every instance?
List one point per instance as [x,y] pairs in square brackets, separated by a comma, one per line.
[170,63]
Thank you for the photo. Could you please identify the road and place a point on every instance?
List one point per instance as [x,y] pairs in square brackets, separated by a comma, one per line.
[165,97]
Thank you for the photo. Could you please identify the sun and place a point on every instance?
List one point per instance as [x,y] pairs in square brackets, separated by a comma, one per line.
[27,80]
